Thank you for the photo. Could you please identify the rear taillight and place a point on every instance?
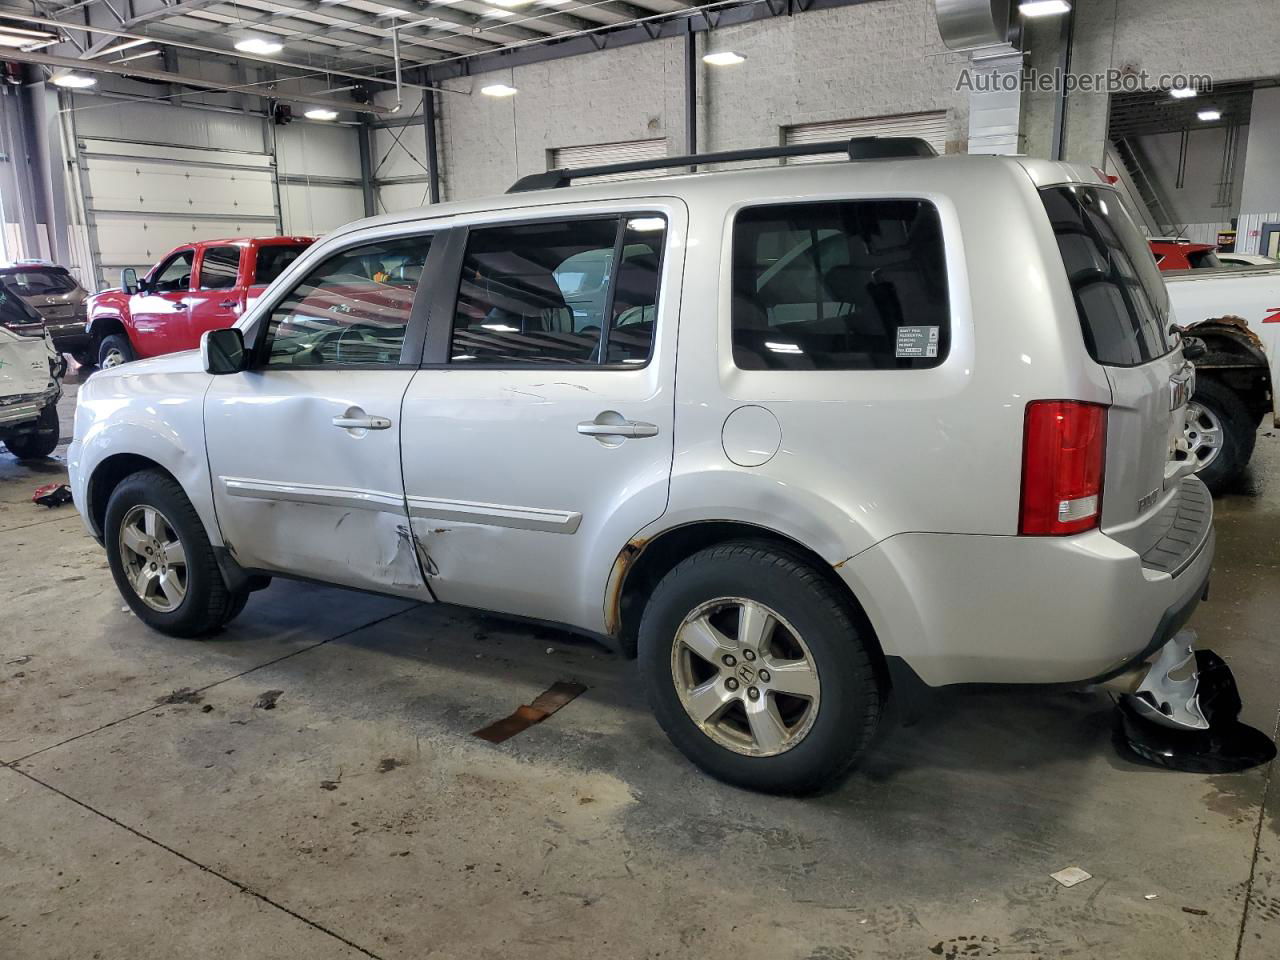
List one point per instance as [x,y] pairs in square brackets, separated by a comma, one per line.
[1063,452]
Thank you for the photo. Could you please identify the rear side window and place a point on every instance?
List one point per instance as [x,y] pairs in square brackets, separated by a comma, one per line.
[272,261]
[220,268]
[1120,298]
[561,292]
[858,285]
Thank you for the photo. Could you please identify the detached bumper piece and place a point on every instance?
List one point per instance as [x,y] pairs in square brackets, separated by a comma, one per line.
[1184,715]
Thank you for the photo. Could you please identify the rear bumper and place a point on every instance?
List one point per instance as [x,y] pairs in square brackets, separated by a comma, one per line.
[23,410]
[991,609]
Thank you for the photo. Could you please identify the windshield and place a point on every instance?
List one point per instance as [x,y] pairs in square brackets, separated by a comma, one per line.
[1120,298]
[39,281]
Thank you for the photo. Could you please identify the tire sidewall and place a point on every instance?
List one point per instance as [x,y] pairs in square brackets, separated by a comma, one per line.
[848,692]
[1237,434]
[120,343]
[43,438]
[152,490]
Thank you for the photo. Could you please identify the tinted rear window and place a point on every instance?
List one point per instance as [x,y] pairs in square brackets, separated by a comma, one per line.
[858,285]
[272,261]
[1120,298]
[39,281]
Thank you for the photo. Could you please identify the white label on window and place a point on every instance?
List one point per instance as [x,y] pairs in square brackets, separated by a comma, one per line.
[917,342]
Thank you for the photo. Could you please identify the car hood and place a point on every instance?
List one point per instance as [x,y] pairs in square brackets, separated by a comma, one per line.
[188,361]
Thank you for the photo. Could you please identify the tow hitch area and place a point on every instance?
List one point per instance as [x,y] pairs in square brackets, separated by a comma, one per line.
[1181,711]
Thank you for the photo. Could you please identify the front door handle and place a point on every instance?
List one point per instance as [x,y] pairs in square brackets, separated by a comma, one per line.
[362,423]
[627,428]
[228,304]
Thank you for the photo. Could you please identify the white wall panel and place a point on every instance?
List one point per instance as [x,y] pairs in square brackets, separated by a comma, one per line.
[311,210]
[163,124]
[312,149]
[397,197]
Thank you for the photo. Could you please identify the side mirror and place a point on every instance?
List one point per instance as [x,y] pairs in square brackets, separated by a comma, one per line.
[129,280]
[223,351]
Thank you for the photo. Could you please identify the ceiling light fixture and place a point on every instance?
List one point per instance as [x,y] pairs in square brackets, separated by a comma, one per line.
[321,113]
[138,56]
[259,45]
[26,39]
[1210,115]
[1182,93]
[1044,8]
[509,3]
[74,81]
[723,58]
[117,47]
[498,90]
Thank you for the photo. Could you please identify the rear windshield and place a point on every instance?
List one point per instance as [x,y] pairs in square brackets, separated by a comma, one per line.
[273,260]
[39,281]
[1120,298]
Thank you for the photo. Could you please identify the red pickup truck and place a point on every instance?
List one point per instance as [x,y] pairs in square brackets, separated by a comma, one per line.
[197,287]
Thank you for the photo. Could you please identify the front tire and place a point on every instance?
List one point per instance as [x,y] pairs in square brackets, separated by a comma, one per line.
[161,558]
[41,440]
[114,350]
[1220,434]
[757,669]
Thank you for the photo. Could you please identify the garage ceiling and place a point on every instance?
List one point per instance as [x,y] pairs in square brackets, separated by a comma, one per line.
[1155,112]
[356,34]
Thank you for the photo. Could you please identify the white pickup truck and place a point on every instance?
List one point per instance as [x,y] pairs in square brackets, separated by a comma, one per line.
[1236,313]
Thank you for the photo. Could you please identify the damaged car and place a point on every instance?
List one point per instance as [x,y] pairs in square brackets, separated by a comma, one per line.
[790,435]
[30,380]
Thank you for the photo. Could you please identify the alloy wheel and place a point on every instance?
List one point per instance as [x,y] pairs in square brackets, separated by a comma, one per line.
[745,676]
[153,557]
[113,358]
[1203,434]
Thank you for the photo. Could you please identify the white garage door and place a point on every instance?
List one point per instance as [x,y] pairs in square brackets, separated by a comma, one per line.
[594,155]
[145,199]
[930,127]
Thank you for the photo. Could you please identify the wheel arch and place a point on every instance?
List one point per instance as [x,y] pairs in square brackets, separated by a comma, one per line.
[644,561]
[108,475]
[1235,358]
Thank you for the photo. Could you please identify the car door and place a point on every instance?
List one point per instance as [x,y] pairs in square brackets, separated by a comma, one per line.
[215,300]
[304,446]
[159,308]
[538,436]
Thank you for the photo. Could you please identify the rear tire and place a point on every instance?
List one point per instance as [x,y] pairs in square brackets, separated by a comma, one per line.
[778,726]
[41,440]
[1216,413]
[114,350]
[161,558]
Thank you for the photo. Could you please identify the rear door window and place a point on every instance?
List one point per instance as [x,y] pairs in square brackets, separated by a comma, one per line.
[1120,298]
[858,285]
[273,260]
[219,268]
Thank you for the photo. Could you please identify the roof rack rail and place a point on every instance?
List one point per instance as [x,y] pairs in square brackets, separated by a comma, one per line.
[857,148]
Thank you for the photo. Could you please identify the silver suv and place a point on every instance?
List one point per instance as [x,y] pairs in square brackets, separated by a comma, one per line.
[796,435]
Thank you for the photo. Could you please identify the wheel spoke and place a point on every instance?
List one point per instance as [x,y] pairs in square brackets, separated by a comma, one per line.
[708,700]
[149,522]
[704,640]
[133,538]
[767,728]
[142,580]
[796,677]
[172,588]
[755,627]
[174,553]
[1211,437]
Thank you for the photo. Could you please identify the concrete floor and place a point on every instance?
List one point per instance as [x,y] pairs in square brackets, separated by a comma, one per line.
[360,818]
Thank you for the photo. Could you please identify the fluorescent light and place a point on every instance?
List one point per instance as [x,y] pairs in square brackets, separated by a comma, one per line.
[1210,115]
[1044,8]
[724,58]
[117,47]
[508,3]
[76,81]
[259,45]
[1182,93]
[321,113]
[500,14]
[137,56]
[18,39]
[498,90]
[646,224]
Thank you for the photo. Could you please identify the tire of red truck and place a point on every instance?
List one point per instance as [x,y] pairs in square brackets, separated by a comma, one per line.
[1220,433]
[114,350]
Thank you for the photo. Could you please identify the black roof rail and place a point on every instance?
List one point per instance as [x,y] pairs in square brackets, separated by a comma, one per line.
[858,148]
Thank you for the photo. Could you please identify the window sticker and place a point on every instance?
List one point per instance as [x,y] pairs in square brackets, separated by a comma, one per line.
[917,342]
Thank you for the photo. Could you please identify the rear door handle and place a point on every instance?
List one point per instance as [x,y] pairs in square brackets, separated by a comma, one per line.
[362,423]
[228,304]
[628,428]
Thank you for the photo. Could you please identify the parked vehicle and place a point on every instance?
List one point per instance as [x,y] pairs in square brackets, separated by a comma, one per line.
[30,384]
[806,444]
[1235,312]
[1247,260]
[195,288]
[1173,253]
[57,296]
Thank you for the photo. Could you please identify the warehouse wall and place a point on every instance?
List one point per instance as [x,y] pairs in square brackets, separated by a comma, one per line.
[1198,199]
[868,60]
